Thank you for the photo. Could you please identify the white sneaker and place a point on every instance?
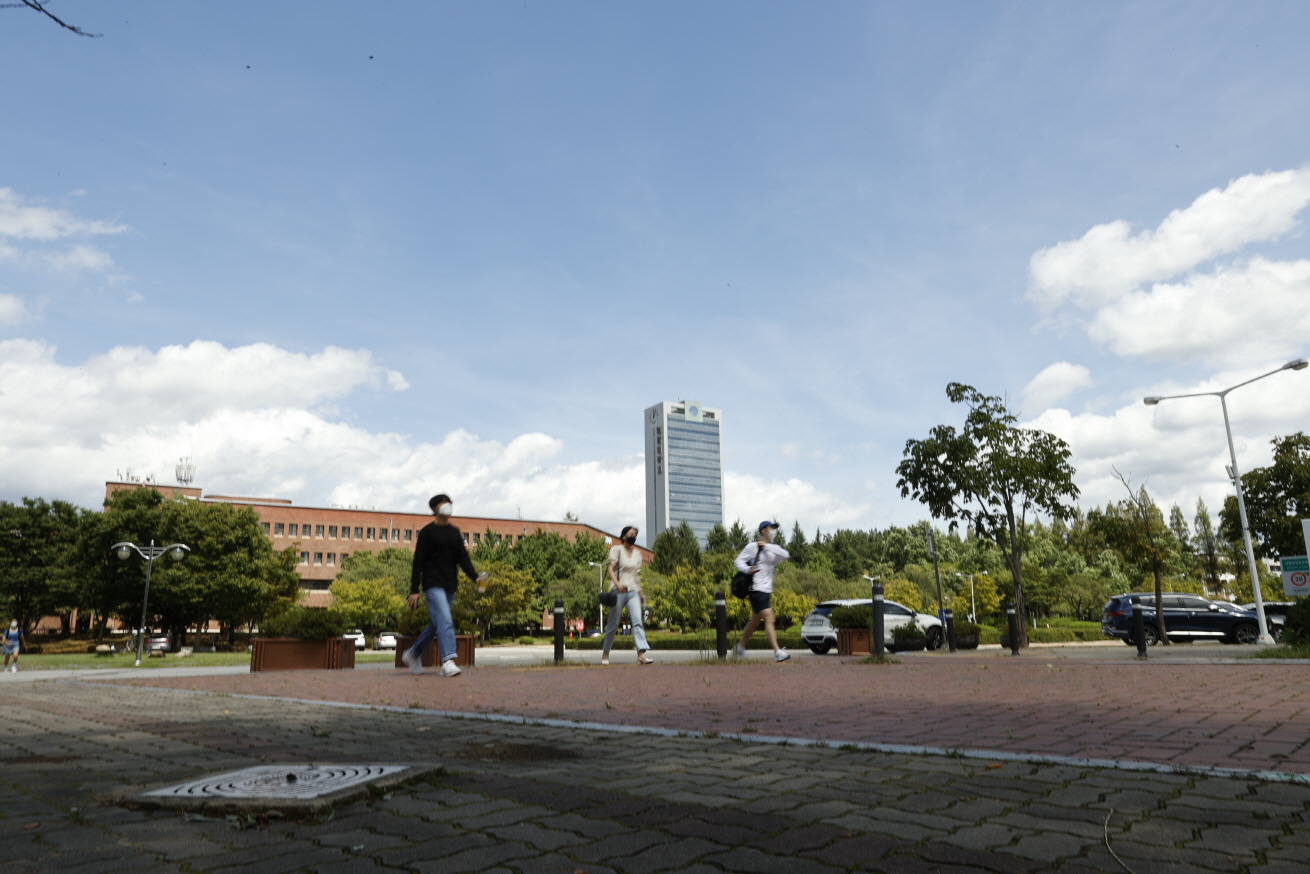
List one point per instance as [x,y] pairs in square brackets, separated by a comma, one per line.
[413,662]
[604,660]
[781,655]
[739,651]
[450,669]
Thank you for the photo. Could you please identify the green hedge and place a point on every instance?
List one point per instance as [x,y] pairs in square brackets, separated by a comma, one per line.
[705,641]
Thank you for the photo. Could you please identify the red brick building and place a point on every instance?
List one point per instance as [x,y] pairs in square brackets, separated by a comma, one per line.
[324,536]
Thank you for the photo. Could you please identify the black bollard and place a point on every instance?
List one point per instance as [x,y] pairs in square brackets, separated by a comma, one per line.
[950,628]
[876,623]
[1139,628]
[721,624]
[1014,630]
[559,631]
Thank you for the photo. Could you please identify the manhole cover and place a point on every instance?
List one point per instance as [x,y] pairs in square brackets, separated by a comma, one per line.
[265,786]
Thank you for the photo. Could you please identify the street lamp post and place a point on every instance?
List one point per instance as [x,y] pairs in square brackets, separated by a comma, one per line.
[973,603]
[1298,364]
[600,607]
[124,550]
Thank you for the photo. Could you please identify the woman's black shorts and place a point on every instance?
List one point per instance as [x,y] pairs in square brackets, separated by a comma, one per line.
[760,601]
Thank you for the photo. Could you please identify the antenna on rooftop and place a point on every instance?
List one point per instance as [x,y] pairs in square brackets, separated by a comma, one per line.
[185,471]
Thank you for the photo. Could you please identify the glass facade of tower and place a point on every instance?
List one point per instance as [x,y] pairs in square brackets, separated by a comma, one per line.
[684,468]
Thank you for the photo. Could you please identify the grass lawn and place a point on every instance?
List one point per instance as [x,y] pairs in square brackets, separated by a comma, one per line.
[89,661]
[1281,652]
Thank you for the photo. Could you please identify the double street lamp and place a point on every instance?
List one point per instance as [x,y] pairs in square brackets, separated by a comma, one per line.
[1298,364]
[124,551]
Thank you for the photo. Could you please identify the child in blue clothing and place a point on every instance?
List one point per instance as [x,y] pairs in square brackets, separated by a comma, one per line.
[13,642]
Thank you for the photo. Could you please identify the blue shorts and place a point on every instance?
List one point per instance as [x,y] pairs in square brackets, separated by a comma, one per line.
[760,601]
[11,647]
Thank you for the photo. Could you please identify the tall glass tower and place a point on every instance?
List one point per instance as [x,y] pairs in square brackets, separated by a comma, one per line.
[684,468]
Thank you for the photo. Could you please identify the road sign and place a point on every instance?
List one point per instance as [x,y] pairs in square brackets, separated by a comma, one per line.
[1296,576]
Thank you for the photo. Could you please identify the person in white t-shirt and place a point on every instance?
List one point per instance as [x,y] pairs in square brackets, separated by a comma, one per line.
[759,559]
[625,579]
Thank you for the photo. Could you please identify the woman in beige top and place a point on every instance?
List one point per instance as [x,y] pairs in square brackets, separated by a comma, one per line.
[625,579]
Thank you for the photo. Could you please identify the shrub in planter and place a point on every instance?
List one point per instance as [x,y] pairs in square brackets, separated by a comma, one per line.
[304,623]
[526,641]
[851,617]
[909,637]
[967,635]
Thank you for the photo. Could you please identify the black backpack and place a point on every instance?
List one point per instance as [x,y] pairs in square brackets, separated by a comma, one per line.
[741,581]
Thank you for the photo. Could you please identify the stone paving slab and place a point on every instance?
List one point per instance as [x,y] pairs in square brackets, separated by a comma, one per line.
[522,799]
[1249,716]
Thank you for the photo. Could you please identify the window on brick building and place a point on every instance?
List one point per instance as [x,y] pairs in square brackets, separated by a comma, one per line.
[409,535]
[318,530]
[344,556]
[466,538]
[264,525]
[477,538]
[359,533]
[304,558]
[278,529]
[332,531]
[293,530]
[382,534]
[332,558]
[318,558]
[305,529]
[372,534]
[395,534]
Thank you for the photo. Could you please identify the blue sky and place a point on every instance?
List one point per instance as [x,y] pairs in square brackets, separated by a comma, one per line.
[529,221]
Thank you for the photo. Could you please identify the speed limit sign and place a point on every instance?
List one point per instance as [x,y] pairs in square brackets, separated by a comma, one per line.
[1296,576]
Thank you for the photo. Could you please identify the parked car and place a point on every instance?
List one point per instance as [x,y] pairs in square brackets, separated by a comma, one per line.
[385,640]
[159,643]
[1275,616]
[357,636]
[1186,618]
[820,636]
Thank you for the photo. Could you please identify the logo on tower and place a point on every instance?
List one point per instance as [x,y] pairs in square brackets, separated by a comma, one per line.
[694,411]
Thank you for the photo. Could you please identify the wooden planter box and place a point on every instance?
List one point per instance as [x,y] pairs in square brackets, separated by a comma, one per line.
[910,644]
[966,642]
[293,654]
[854,641]
[465,650]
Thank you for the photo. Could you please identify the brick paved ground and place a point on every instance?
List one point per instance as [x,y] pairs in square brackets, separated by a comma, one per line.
[1251,715]
[530,799]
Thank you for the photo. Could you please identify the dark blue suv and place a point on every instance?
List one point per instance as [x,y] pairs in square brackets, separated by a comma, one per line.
[1186,618]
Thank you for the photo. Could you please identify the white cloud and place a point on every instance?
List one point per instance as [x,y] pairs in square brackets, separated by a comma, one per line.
[1054,384]
[1179,448]
[1108,261]
[12,309]
[256,417]
[24,221]
[21,220]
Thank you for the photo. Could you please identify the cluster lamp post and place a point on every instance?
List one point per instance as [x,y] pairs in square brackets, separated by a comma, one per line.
[1298,364]
[124,551]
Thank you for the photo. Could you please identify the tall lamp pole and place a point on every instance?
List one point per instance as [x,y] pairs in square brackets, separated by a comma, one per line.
[600,607]
[124,550]
[1298,364]
[973,603]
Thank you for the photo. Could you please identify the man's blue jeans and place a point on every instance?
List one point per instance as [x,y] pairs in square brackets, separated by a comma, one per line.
[441,626]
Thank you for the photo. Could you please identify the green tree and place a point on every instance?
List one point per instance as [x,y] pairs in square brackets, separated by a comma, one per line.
[1277,498]
[37,538]
[393,565]
[1207,549]
[684,598]
[674,548]
[992,474]
[506,601]
[738,537]
[717,539]
[369,605]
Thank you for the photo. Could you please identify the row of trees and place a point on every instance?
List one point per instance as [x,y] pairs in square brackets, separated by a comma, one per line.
[55,559]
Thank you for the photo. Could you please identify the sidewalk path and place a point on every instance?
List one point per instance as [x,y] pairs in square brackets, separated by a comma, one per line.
[1250,716]
[519,799]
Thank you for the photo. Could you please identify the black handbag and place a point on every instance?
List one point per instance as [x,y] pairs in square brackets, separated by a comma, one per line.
[610,598]
[741,581]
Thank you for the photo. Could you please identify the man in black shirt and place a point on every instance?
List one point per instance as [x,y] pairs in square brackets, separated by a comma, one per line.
[438,556]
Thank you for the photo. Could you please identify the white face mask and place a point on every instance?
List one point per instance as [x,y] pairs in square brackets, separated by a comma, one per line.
[445,509]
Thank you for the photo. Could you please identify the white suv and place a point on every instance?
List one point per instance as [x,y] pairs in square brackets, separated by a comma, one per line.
[357,636]
[820,636]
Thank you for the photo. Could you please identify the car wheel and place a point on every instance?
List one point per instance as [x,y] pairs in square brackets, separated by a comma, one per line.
[820,650]
[1152,636]
[934,639]
[1246,634]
